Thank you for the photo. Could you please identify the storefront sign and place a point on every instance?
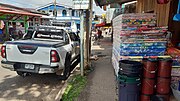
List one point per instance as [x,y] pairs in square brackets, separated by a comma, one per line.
[81,4]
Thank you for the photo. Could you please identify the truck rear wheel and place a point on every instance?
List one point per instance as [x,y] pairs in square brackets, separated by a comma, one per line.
[67,68]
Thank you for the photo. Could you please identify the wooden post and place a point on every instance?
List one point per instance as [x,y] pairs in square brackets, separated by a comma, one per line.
[88,35]
[90,29]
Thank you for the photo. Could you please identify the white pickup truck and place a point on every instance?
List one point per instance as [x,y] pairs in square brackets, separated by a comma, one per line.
[45,49]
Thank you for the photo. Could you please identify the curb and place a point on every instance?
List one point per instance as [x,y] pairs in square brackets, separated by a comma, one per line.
[58,95]
[54,96]
[61,92]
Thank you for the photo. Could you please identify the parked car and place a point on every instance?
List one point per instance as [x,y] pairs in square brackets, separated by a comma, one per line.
[44,49]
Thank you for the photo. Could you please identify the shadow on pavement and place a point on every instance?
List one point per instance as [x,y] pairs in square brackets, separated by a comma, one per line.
[103,47]
[30,88]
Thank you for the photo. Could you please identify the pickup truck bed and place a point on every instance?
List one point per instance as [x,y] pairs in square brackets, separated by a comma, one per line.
[48,51]
[30,51]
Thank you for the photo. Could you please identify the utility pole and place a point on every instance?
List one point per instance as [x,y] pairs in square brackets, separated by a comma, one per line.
[84,32]
[55,10]
[82,42]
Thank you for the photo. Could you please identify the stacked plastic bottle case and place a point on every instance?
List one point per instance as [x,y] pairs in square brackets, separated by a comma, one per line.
[137,35]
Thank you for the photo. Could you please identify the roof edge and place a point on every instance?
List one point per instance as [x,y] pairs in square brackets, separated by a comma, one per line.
[58,4]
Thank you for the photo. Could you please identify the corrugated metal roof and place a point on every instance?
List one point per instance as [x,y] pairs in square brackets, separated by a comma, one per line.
[16,11]
[106,2]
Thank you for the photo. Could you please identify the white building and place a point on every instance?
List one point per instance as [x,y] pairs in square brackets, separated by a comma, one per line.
[64,14]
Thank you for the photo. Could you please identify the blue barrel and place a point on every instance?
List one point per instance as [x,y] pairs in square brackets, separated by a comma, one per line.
[129,91]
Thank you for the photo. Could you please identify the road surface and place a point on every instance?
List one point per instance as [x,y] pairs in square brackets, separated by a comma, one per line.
[31,88]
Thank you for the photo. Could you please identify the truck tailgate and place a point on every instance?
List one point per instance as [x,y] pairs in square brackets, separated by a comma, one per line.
[26,53]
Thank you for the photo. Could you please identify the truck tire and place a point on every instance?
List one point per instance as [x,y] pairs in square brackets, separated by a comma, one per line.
[23,74]
[78,58]
[67,68]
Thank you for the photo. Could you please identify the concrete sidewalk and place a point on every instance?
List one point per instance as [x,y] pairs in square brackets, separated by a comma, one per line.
[101,84]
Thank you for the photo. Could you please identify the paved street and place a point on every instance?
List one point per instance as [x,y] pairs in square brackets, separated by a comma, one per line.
[32,88]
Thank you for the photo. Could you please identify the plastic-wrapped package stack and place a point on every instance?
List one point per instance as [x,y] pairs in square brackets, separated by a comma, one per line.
[175,54]
[136,35]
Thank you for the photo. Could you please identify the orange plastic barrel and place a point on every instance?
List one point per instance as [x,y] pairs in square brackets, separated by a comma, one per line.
[148,86]
[164,67]
[149,68]
[163,85]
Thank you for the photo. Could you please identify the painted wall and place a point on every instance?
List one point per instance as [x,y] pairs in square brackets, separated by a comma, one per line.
[49,9]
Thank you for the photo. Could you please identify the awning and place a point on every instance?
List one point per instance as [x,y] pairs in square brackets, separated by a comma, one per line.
[103,25]
[106,2]
[19,12]
[100,25]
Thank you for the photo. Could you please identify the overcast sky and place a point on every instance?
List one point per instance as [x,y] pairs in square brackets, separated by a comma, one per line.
[38,3]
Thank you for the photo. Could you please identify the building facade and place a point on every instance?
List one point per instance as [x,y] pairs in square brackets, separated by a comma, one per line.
[61,13]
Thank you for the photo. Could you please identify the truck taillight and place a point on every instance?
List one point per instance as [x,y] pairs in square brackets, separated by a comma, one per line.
[3,51]
[54,56]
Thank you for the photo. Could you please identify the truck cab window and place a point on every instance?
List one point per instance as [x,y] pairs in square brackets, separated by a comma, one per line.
[28,35]
[73,36]
[66,38]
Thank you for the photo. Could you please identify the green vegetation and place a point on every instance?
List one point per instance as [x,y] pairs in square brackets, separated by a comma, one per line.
[74,88]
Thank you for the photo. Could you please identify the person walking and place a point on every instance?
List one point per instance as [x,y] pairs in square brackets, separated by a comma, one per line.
[99,34]
[106,31]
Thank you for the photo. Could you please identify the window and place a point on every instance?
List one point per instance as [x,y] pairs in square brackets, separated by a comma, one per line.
[22,24]
[50,10]
[64,13]
[49,35]
[73,36]
[55,12]
[76,13]
[43,11]
[28,35]
[66,38]
[73,12]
